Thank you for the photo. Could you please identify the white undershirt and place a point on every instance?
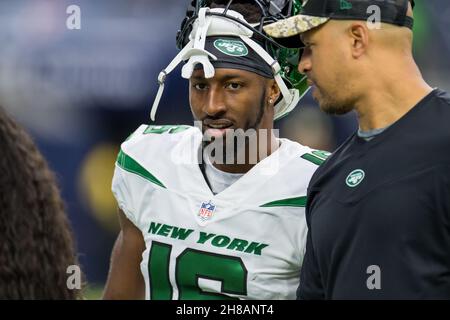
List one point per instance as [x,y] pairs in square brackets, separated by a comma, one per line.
[219,180]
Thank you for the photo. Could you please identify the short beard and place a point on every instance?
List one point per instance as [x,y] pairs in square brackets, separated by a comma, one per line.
[329,104]
[262,106]
[335,108]
[233,145]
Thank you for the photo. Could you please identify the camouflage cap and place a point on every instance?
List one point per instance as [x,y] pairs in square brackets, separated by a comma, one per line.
[317,12]
[294,25]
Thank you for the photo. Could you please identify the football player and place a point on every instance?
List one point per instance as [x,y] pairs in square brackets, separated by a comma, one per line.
[204,217]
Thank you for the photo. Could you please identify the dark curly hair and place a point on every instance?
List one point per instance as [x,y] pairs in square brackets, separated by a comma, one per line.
[36,243]
[247,8]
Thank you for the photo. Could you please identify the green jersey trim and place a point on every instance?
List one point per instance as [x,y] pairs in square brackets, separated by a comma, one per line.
[291,202]
[316,156]
[313,159]
[129,164]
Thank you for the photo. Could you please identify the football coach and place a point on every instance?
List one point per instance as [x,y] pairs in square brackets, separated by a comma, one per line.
[378,209]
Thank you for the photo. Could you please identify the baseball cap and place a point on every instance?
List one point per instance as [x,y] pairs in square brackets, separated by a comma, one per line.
[317,12]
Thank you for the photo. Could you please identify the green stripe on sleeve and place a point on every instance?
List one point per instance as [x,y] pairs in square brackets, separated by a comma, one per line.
[312,158]
[291,202]
[129,164]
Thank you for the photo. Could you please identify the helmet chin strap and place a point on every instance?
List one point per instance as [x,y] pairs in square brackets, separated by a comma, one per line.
[195,53]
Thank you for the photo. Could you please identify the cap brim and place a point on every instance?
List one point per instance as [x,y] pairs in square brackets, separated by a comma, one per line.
[294,25]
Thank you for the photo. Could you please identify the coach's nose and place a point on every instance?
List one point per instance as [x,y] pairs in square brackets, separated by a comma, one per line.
[305,64]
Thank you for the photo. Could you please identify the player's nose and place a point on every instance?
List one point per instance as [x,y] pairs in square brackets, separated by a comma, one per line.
[215,103]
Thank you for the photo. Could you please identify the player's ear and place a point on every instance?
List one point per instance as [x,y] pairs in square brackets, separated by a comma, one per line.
[358,35]
[274,91]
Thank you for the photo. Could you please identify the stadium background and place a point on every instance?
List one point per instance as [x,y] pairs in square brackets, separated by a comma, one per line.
[81,92]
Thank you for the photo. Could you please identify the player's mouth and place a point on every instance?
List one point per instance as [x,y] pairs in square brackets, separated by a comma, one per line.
[217,128]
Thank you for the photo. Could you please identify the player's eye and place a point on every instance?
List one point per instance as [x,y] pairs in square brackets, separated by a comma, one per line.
[234,86]
[200,86]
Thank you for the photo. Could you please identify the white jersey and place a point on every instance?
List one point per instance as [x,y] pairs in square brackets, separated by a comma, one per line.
[246,242]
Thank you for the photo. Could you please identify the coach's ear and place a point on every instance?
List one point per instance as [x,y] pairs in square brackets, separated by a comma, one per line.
[358,34]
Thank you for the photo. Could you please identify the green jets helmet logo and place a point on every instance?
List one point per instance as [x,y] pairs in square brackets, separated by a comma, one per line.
[233,48]
[355,178]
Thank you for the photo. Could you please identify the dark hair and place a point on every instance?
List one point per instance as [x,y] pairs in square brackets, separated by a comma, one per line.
[248,9]
[36,243]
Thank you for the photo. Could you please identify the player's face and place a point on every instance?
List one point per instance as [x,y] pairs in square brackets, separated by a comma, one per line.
[324,63]
[232,99]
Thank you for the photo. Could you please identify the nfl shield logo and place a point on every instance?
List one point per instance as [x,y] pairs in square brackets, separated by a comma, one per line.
[206,210]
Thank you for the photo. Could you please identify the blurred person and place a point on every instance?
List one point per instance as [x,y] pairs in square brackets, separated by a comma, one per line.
[378,209]
[37,245]
[310,127]
[194,226]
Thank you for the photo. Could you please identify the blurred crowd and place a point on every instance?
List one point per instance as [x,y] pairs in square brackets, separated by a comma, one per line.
[80,93]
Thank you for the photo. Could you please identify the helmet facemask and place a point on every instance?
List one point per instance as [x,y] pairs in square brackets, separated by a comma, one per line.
[201,22]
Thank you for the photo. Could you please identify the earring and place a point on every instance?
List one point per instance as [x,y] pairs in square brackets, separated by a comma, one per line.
[270,100]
